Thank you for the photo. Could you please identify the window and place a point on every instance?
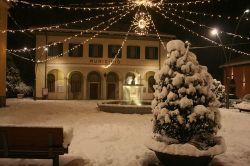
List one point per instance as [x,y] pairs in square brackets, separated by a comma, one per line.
[95,50]
[51,83]
[113,49]
[151,83]
[55,50]
[151,53]
[133,52]
[75,50]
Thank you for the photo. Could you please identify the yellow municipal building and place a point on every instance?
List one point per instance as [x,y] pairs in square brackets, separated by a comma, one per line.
[80,74]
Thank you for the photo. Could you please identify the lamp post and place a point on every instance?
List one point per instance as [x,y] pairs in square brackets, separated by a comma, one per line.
[237,27]
[216,32]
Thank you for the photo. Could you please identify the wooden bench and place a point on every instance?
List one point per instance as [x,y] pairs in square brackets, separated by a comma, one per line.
[32,143]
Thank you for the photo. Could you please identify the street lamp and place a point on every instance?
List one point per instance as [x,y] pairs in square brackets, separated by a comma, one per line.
[237,26]
[216,32]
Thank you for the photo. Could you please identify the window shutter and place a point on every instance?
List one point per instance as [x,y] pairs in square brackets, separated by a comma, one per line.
[138,52]
[90,50]
[100,50]
[156,53]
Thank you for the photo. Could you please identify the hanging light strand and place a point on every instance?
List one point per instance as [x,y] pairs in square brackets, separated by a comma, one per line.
[206,14]
[157,33]
[122,45]
[86,40]
[202,25]
[66,7]
[65,39]
[22,57]
[59,25]
[189,3]
[201,36]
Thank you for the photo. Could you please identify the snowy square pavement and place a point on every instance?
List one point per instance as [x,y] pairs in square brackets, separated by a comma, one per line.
[113,139]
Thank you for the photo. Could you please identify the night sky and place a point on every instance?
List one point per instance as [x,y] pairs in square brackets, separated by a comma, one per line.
[24,16]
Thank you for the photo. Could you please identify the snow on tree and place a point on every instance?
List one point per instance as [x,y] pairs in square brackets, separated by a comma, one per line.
[219,90]
[185,109]
[12,79]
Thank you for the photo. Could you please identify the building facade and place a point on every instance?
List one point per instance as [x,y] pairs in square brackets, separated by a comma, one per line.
[79,72]
[237,76]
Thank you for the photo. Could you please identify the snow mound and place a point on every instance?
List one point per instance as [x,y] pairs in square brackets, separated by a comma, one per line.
[186,149]
[67,136]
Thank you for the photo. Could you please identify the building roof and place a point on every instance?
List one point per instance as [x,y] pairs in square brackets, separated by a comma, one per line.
[107,34]
[241,60]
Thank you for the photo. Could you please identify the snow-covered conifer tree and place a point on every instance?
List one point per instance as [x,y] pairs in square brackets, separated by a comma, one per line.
[185,108]
[219,90]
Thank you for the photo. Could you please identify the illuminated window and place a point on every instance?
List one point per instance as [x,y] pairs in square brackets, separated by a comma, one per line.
[113,49]
[75,50]
[133,52]
[151,53]
[95,50]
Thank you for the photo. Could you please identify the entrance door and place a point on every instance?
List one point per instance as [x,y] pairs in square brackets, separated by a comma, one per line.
[111,91]
[93,89]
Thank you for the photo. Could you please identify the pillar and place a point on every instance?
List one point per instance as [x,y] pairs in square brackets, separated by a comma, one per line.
[3,42]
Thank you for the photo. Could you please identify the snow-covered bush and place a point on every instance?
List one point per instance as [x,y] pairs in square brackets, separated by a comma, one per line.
[219,90]
[185,109]
[22,88]
[12,80]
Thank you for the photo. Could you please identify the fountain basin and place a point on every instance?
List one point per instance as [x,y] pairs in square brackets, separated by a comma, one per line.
[125,107]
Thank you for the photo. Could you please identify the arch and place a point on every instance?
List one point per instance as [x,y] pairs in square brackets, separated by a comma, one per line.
[55,79]
[151,83]
[149,77]
[75,85]
[130,78]
[112,86]
[94,85]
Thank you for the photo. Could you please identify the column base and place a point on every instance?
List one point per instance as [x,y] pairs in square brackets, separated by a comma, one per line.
[2,101]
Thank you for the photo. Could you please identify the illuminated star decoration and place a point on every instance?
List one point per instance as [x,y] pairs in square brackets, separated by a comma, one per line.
[141,23]
[147,3]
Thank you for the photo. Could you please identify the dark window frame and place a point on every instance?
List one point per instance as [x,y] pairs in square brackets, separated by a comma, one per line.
[77,52]
[137,52]
[99,52]
[155,53]
[112,54]
[55,50]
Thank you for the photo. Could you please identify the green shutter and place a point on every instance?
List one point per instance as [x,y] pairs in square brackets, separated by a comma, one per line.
[100,50]
[138,52]
[156,53]
[90,50]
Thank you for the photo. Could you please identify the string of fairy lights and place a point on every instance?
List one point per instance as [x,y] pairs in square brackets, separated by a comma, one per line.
[81,43]
[207,14]
[57,26]
[156,31]
[142,22]
[203,25]
[123,43]
[86,40]
[67,7]
[201,36]
[45,47]
[189,2]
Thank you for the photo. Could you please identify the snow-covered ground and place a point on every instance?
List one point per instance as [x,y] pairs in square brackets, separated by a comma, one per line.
[102,139]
